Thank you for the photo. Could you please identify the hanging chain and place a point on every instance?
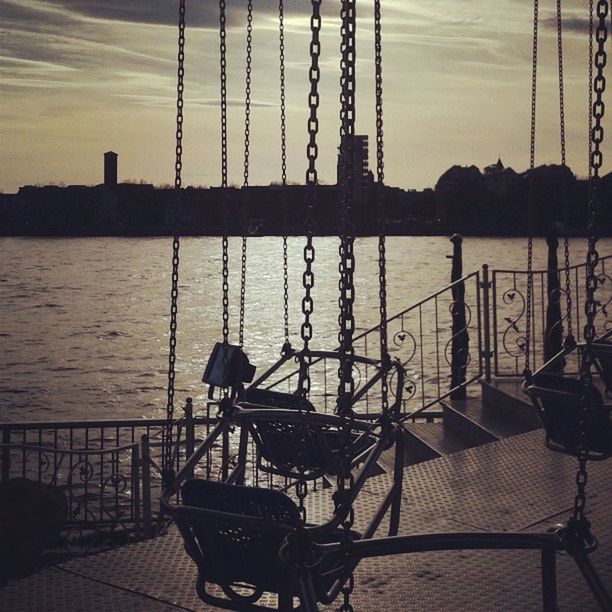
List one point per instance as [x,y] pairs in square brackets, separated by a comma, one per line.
[382,216]
[245,184]
[590,110]
[346,388]
[530,203]
[595,163]
[285,213]
[569,341]
[311,188]
[225,195]
[178,165]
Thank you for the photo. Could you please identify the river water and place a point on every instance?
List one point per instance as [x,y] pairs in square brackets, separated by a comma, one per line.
[84,329]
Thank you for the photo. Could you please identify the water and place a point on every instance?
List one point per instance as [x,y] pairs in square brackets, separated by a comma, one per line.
[84,330]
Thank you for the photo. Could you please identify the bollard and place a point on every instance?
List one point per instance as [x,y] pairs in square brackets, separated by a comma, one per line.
[553,334]
[460,338]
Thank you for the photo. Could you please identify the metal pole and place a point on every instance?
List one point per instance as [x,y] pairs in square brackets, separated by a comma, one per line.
[189,433]
[146,486]
[486,288]
[553,334]
[460,338]
[6,454]
[549,580]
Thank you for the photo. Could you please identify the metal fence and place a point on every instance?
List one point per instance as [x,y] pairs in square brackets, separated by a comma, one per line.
[509,310]
[108,470]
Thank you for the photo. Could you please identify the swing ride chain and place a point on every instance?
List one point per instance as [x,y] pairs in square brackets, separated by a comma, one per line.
[224,174]
[382,219]
[245,184]
[311,183]
[347,266]
[283,117]
[569,341]
[580,523]
[167,433]
[530,204]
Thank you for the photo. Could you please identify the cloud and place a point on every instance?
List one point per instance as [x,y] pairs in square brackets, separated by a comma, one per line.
[165,12]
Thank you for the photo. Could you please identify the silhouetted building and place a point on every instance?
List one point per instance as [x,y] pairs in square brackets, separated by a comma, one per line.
[110,169]
[358,165]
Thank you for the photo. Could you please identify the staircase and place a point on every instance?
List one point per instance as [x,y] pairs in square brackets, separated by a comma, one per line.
[499,411]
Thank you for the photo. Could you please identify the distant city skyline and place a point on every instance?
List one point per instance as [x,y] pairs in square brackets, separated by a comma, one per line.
[80,78]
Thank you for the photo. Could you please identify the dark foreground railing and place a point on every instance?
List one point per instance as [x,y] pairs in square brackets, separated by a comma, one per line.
[509,313]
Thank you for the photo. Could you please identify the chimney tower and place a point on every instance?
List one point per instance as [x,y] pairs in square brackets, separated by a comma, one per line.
[110,169]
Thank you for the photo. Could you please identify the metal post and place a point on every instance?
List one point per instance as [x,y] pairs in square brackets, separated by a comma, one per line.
[486,288]
[146,486]
[136,491]
[6,454]
[189,433]
[553,334]
[460,338]
[549,580]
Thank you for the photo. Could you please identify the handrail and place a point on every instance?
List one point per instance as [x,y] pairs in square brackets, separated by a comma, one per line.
[430,297]
[559,269]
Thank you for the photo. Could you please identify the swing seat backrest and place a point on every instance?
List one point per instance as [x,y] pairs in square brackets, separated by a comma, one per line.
[230,548]
[558,401]
[602,353]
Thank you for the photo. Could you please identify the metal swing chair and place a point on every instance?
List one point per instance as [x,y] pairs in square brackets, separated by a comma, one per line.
[573,412]
[235,533]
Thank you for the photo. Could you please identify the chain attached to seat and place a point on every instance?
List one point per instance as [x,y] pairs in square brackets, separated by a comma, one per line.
[530,199]
[346,319]
[579,520]
[312,180]
[286,350]
[167,468]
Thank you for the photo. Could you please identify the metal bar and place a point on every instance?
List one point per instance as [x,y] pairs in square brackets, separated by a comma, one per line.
[136,491]
[549,580]
[592,578]
[6,454]
[146,487]
[486,287]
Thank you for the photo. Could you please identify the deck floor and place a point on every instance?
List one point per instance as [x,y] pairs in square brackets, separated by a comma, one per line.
[511,485]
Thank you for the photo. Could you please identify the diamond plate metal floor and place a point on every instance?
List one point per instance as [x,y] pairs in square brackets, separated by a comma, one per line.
[514,484]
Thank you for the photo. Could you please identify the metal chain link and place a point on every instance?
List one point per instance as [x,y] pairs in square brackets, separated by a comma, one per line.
[569,341]
[346,388]
[312,152]
[382,216]
[590,308]
[178,165]
[284,202]
[224,186]
[530,204]
[245,183]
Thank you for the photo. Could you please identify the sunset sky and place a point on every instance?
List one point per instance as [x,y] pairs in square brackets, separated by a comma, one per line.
[80,77]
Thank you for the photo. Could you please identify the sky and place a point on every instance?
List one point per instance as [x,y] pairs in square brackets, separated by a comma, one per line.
[81,77]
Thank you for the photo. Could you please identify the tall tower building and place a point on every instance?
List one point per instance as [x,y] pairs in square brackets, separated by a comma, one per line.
[358,165]
[110,169]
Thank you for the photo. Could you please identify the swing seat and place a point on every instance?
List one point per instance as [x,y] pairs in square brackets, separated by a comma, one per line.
[234,535]
[558,402]
[304,445]
[602,354]
[275,399]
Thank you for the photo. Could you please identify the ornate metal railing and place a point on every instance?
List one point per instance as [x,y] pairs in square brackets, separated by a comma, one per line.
[108,469]
[421,338]
[509,304]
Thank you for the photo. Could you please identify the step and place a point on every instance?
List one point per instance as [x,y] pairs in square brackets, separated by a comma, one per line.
[506,395]
[497,423]
[463,426]
[438,437]
[416,450]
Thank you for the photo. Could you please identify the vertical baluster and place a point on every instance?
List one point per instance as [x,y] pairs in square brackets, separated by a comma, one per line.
[6,453]
[146,485]
[101,512]
[495,335]
[437,333]
[422,355]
